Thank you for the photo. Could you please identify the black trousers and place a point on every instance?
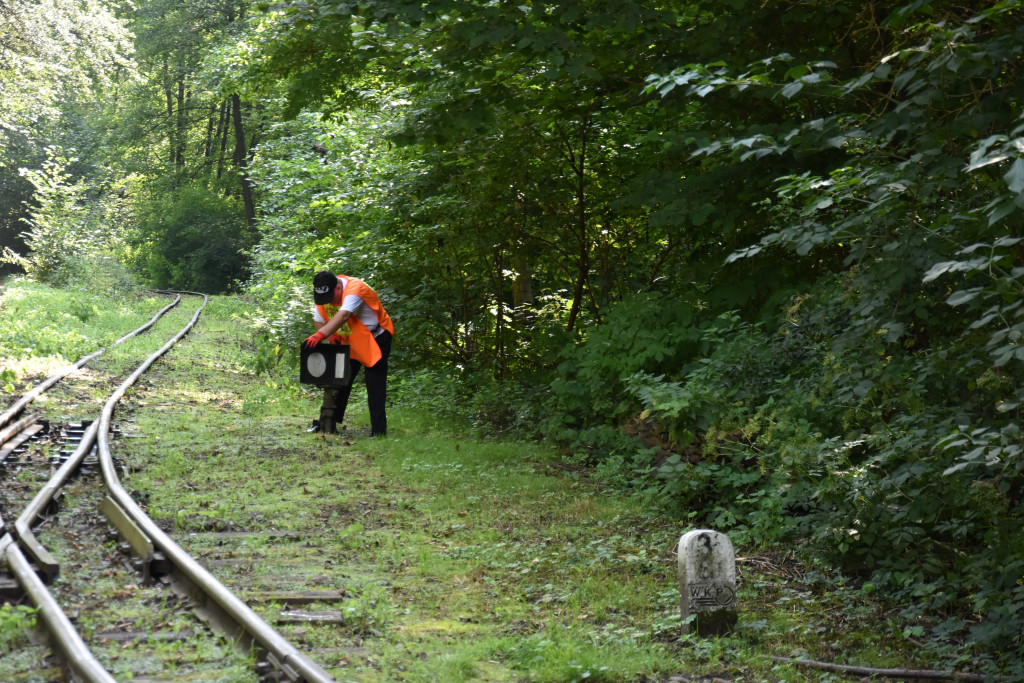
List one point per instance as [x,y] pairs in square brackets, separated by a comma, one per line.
[332,411]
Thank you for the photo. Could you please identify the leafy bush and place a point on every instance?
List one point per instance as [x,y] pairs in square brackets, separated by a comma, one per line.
[192,239]
[648,332]
[60,224]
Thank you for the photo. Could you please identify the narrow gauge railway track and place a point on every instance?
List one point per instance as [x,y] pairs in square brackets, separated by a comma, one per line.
[160,558]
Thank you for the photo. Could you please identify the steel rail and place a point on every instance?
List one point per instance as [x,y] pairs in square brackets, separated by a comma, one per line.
[76,654]
[34,510]
[294,663]
[11,430]
[34,393]
[74,650]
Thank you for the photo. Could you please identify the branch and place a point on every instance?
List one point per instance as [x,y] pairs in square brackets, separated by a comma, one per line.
[666,252]
[918,674]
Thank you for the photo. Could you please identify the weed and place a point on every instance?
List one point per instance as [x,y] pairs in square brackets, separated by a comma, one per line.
[15,623]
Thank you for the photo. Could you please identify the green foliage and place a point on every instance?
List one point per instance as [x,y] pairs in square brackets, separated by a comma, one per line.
[917,206]
[60,224]
[731,358]
[193,239]
[16,623]
[648,332]
[7,376]
[89,312]
[58,59]
[56,52]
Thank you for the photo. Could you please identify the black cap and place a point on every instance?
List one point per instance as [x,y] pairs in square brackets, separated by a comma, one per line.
[324,283]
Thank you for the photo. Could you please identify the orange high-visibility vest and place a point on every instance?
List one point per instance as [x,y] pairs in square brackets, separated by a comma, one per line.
[362,346]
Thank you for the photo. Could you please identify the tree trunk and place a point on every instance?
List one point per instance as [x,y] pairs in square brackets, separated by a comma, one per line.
[583,255]
[172,143]
[222,134]
[208,145]
[179,155]
[499,322]
[522,290]
[241,161]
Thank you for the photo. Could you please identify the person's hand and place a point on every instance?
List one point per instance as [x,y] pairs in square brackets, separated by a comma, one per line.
[314,339]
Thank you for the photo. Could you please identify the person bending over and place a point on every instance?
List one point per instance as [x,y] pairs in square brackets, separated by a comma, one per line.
[347,311]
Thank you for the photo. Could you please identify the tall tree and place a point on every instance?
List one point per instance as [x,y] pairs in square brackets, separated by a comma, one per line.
[184,135]
[56,58]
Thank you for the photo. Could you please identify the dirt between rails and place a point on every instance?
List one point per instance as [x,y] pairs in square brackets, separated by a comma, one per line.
[24,470]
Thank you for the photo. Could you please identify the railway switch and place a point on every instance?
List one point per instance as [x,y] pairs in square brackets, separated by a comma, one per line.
[325,365]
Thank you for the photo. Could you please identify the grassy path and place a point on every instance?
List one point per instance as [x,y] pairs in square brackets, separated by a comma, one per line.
[462,559]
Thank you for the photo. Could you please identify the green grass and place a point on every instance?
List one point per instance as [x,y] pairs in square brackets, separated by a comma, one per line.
[457,553]
[16,621]
[46,328]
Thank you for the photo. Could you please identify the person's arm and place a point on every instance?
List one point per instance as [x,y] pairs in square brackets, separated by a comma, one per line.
[334,324]
[326,329]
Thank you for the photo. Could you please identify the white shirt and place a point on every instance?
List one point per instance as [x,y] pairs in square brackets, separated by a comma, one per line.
[354,305]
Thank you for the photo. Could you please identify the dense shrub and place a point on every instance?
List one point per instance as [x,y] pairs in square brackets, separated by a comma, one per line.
[192,239]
